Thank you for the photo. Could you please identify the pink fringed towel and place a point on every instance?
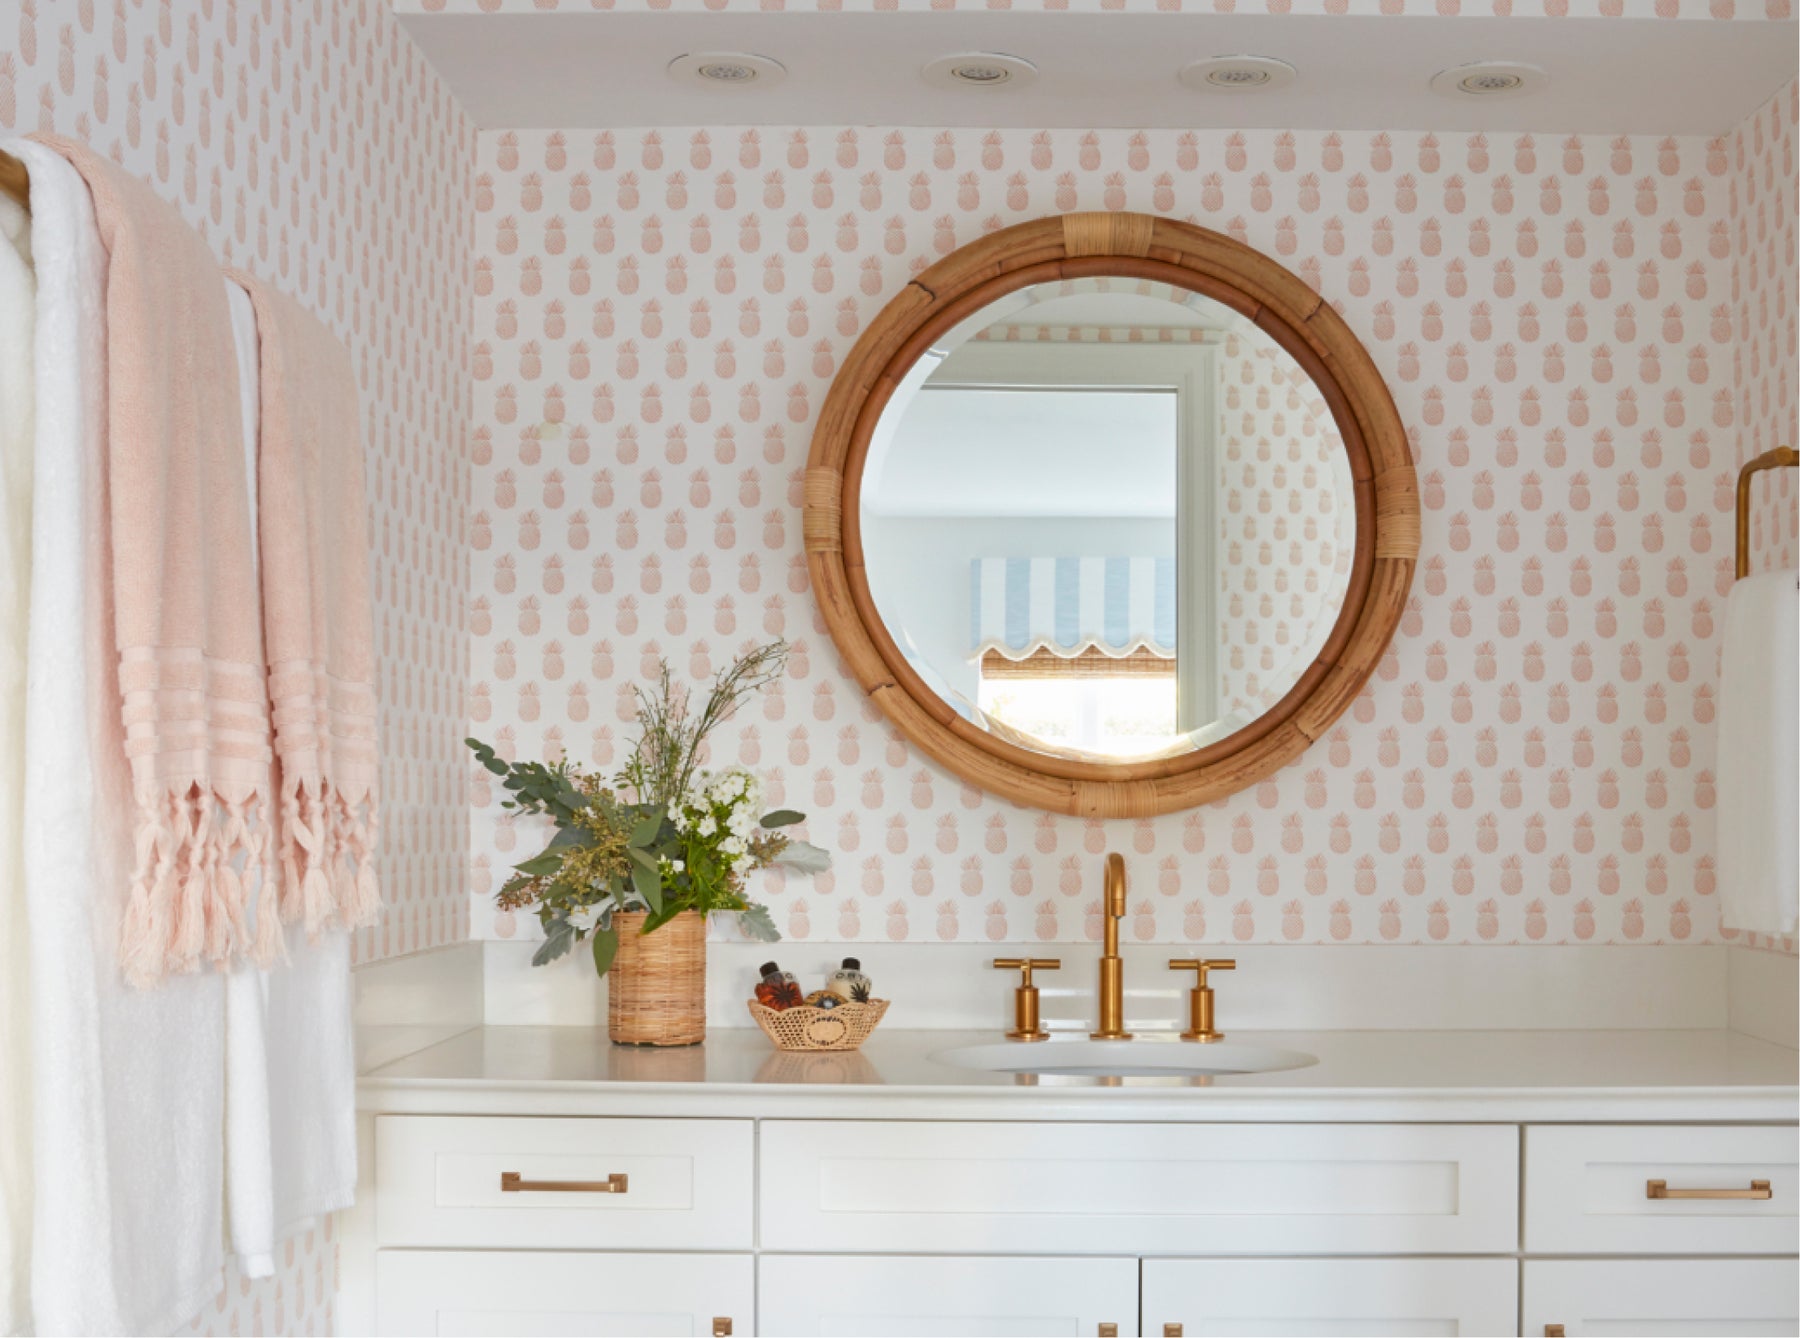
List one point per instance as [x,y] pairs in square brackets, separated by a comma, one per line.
[317,622]
[183,591]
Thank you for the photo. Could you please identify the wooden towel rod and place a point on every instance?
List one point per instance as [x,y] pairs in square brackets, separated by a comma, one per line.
[14,180]
[1779,458]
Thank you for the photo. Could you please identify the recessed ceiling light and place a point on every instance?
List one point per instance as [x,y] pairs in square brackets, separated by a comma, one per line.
[979,69]
[1236,74]
[1489,79]
[727,69]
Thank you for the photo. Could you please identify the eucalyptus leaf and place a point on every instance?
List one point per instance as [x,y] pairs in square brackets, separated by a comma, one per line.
[570,838]
[648,882]
[541,866]
[606,947]
[647,830]
[782,817]
[803,857]
[758,924]
[557,942]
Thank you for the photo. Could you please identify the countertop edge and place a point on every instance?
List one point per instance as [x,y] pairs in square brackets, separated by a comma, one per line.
[417,1096]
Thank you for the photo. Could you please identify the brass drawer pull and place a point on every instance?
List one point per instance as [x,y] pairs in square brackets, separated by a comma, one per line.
[1659,1189]
[1107,1329]
[1171,1331]
[511,1182]
[721,1326]
[1553,1331]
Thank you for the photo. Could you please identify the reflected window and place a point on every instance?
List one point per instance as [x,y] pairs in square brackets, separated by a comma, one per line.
[1120,705]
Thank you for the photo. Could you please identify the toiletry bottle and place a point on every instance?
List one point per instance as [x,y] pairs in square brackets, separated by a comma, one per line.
[849,983]
[778,989]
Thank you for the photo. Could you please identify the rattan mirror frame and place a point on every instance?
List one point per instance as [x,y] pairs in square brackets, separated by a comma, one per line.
[1134,246]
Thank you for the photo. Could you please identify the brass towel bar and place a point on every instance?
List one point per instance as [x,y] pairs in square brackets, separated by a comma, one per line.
[1782,457]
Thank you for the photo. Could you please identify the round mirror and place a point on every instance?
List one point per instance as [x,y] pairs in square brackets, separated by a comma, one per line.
[1110,514]
[1108,518]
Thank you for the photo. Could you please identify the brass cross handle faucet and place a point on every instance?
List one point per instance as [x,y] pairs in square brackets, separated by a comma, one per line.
[1112,966]
[1026,1026]
[1200,998]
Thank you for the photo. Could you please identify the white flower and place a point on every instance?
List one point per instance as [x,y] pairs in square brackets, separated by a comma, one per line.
[707,826]
[741,822]
[584,918]
[735,846]
[675,865]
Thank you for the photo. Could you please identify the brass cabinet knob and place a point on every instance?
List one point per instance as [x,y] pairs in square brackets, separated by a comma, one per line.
[1553,1331]
[1107,1329]
[1026,1024]
[1200,998]
[721,1326]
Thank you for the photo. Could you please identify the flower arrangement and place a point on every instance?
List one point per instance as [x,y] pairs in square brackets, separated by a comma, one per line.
[663,836]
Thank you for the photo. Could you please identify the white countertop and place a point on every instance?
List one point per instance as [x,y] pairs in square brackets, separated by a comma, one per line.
[1360,1075]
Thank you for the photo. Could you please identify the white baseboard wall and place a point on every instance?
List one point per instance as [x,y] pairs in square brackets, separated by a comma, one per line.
[1764,995]
[1275,987]
[405,1003]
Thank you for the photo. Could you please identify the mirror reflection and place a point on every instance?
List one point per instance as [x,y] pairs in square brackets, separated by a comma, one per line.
[1108,519]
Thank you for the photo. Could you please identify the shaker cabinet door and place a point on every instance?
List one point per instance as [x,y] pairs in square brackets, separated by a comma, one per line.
[869,1296]
[1330,1296]
[1720,1297]
[474,1292]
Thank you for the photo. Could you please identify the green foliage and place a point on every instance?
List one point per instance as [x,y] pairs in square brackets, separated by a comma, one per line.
[683,841]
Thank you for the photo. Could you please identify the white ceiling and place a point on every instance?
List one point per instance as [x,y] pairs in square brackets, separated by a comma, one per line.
[1644,76]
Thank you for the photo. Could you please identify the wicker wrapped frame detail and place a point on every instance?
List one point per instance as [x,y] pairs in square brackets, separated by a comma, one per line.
[842,1028]
[656,987]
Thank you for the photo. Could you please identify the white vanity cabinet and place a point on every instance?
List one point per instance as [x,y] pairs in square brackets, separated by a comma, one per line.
[563,1292]
[1700,1297]
[1330,1296]
[748,1222]
[937,1186]
[976,1296]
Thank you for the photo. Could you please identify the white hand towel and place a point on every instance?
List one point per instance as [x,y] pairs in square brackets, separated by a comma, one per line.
[18,349]
[128,1086]
[290,1065]
[249,1151]
[1759,790]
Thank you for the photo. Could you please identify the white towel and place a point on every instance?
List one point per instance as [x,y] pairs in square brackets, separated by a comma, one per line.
[18,317]
[290,1066]
[1759,720]
[249,1152]
[128,1084]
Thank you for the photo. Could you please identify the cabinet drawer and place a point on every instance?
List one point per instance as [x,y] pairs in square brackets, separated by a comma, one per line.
[687,1183]
[1586,1189]
[944,1187]
[1331,1296]
[1660,1296]
[871,1296]
[467,1292]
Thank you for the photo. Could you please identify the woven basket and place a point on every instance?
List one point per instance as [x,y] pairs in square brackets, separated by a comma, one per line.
[656,987]
[842,1028]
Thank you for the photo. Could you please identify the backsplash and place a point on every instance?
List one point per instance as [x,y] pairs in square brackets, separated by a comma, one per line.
[311,144]
[659,314]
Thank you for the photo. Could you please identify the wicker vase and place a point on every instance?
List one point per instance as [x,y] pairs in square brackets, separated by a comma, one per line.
[656,987]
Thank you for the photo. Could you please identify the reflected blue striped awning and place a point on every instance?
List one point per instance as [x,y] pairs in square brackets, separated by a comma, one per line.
[1067,605]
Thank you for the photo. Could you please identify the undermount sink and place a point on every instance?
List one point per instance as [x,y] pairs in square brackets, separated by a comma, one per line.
[1123,1059]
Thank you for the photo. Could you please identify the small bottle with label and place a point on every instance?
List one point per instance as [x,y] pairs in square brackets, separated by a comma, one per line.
[778,989]
[849,983]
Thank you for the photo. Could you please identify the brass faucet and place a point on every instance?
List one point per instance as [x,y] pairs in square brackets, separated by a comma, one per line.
[1112,966]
